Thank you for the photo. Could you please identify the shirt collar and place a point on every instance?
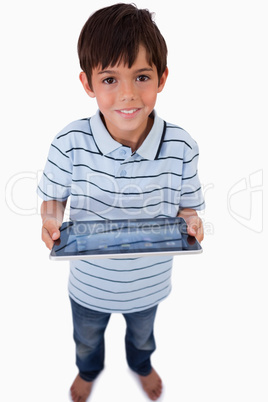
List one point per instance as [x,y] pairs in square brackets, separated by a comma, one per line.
[106,144]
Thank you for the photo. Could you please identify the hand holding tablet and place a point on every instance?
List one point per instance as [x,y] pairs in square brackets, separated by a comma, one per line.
[123,238]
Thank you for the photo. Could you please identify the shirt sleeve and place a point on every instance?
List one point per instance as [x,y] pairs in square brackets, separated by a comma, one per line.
[191,190]
[55,183]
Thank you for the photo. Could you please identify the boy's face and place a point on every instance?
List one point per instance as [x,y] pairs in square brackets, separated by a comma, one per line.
[126,96]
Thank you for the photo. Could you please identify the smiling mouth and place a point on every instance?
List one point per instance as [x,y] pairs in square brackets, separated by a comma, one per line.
[128,111]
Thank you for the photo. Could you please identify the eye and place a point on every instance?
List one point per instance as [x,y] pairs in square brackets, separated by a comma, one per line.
[142,78]
[109,80]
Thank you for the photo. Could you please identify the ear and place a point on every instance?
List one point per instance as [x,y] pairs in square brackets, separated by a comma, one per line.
[163,80]
[84,81]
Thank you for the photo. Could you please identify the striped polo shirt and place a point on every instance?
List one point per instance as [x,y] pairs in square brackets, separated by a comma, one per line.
[104,179]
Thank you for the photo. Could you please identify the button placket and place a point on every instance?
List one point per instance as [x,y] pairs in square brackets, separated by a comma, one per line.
[122,170]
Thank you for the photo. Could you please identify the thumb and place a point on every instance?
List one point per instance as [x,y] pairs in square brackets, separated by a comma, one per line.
[52,226]
[192,226]
[192,230]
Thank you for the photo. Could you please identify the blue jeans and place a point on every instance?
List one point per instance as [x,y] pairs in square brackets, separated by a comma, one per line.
[89,328]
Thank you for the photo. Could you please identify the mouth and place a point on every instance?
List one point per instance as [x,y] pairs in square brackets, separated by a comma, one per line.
[128,113]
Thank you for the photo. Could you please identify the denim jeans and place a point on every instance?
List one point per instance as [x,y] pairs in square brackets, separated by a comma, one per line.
[89,328]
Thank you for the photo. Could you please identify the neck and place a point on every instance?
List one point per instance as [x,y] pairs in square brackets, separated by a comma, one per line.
[134,140]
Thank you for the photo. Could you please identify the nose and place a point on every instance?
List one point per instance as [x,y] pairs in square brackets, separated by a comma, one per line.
[127,91]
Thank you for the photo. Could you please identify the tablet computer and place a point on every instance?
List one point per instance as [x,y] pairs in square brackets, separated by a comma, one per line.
[123,238]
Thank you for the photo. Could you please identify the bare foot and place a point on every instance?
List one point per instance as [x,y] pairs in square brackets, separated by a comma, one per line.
[152,385]
[80,390]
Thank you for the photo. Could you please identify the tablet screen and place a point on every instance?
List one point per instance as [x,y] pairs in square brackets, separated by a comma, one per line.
[139,237]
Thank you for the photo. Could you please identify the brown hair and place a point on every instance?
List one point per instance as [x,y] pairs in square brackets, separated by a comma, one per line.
[113,34]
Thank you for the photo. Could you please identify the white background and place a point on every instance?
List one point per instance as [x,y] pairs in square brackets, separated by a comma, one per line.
[212,331]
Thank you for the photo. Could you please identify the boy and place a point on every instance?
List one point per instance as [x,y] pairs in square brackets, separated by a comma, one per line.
[124,162]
